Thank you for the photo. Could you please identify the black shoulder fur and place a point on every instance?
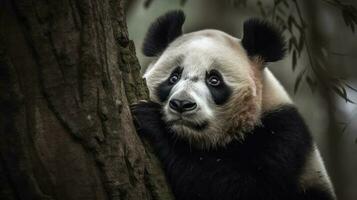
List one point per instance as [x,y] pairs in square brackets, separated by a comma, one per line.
[260,38]
[266,165]
[162,32]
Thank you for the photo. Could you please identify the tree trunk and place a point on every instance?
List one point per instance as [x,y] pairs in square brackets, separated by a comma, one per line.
[67,75]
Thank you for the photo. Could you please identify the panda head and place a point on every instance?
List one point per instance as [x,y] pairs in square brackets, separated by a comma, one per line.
[209,83]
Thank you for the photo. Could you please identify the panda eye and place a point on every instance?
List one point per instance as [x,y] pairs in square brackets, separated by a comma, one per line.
[174,78]
[214,80]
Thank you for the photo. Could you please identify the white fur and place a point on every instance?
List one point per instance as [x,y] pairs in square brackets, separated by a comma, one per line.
[315,174]
[273,92]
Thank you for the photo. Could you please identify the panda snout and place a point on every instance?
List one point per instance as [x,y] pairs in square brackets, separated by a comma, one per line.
[182,106]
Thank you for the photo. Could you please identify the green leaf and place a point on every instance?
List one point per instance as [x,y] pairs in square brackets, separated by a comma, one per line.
[345,17]
[280,22]
[348,17]
[286,4]
[311,83]
[261,9]
[338,92]
[349,86]
[352,26]
[342,93]
[344,127]
[292,43]
[281,11]
[278,19]
[341,85]
[298,80]
[324,52]
[350,101]
[320,64]
[290,23]
[294,60]
[300,47]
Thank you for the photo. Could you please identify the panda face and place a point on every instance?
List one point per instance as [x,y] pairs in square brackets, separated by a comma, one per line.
[210,84]
[206,86]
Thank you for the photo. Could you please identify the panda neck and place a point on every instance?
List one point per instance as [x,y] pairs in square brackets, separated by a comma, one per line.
[273,93]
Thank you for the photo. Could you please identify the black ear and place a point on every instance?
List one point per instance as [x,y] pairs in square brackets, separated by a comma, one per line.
[163,31]
[260,38]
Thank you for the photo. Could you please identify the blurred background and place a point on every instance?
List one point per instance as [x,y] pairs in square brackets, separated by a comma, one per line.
[319,72]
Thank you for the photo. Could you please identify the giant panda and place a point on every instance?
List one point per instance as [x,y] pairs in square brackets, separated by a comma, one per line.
[221,123]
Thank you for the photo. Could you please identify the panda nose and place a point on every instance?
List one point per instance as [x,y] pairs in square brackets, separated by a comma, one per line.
[182,105]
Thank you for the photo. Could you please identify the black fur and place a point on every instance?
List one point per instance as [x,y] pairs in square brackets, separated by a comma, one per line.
[162,32]
[260,38]
[266,165]
[220,93]
[164,88]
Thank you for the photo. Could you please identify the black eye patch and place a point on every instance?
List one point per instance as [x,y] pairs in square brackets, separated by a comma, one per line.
[164,88]
[220,92]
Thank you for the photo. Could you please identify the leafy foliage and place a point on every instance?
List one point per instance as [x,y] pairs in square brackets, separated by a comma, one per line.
[349,12]
[287,15]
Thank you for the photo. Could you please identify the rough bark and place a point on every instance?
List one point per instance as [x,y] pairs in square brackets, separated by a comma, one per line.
[68,72]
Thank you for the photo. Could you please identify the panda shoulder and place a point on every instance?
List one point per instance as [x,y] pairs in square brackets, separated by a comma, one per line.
[273,94]
[314,174]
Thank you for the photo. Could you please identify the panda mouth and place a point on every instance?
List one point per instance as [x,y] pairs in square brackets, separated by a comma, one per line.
[191,125]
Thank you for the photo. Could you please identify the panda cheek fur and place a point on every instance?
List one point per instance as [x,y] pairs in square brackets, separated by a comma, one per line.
[245,110]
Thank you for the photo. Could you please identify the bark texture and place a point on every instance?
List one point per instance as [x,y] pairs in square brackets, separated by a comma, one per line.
[68,72]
